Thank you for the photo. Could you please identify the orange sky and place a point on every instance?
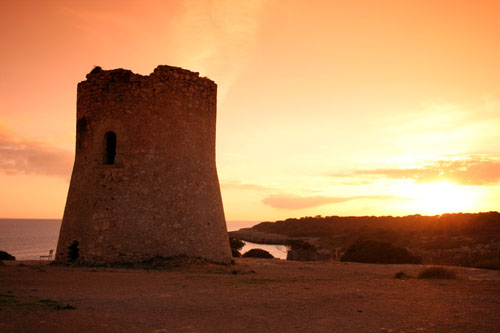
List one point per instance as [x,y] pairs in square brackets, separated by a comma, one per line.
[325,107]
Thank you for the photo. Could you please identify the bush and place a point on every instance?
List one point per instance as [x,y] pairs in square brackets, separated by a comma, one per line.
[301,250]
[375,252]
[488,264]
[257,253]
[402,276]
[235,243]
[6,256]
[299,244]
[236,246]
[436,272]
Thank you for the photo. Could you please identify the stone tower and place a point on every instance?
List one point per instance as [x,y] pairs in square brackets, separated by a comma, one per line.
[144,182]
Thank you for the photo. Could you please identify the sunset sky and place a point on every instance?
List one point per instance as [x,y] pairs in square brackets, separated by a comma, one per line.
[387,107]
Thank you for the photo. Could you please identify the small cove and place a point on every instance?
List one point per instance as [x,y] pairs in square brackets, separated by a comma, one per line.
[28,239]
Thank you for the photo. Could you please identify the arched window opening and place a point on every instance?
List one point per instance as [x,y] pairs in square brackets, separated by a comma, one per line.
[110,148]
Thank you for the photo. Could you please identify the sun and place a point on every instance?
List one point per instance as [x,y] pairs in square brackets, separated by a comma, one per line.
[439,198]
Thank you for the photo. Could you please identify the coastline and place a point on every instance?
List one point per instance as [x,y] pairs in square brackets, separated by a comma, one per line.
[28,239]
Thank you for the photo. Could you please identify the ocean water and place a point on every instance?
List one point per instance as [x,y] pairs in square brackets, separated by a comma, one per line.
[28,239]
[278,251]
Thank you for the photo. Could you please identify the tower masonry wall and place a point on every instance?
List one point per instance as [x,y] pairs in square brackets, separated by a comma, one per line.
[156,192]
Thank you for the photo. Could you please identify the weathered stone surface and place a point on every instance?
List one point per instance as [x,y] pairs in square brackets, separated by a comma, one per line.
[154,191]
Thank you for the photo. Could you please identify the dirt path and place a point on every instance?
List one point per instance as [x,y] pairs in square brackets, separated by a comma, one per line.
[255,295]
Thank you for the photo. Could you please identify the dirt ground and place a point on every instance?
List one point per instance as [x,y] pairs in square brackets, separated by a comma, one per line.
[254,295]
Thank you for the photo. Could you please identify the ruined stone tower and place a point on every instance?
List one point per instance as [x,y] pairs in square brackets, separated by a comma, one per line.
[144,182]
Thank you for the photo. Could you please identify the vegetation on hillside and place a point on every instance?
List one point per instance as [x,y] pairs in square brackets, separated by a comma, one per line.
[376,252]
[300,250]
[461,239]
[299,244]
[480,225]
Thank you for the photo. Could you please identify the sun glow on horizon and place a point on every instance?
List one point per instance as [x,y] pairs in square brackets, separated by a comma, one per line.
[440,197]
[347,108]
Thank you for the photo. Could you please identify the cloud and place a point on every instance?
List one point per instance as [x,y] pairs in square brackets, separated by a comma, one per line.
[217,38]
[237,185]
[472,170]
[292,202]
[32,157]
[442,126]
[350,182]
[96,21]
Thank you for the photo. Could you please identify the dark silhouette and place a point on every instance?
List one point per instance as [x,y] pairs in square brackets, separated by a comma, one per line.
[375,252]
[236,246]
[73,251]
[6,256]
[462,239]
[436,272]
[301,250]
[258,253]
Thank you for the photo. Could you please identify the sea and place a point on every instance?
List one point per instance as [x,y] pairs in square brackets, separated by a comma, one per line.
[28,239]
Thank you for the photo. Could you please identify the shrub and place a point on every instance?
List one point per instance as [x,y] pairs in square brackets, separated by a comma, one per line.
[6,256]
[436,272]
[299,244]
[402,276]
[235,243]
[236,246]
[257,253]
[376,252]
[488,264]
[301,250]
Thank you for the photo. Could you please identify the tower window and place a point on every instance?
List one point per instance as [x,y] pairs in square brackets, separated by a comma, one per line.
[109,148]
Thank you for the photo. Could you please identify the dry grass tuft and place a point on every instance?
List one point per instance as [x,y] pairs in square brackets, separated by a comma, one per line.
[436,272]
[402,276]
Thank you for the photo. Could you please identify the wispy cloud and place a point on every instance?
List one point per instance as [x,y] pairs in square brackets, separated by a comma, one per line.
[21,156]
[94,22]
[295,202]
[237,185]
[217,37]
[439,126]
[472,170]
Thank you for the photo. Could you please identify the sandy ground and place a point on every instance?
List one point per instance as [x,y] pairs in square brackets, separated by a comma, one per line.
[255,295]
